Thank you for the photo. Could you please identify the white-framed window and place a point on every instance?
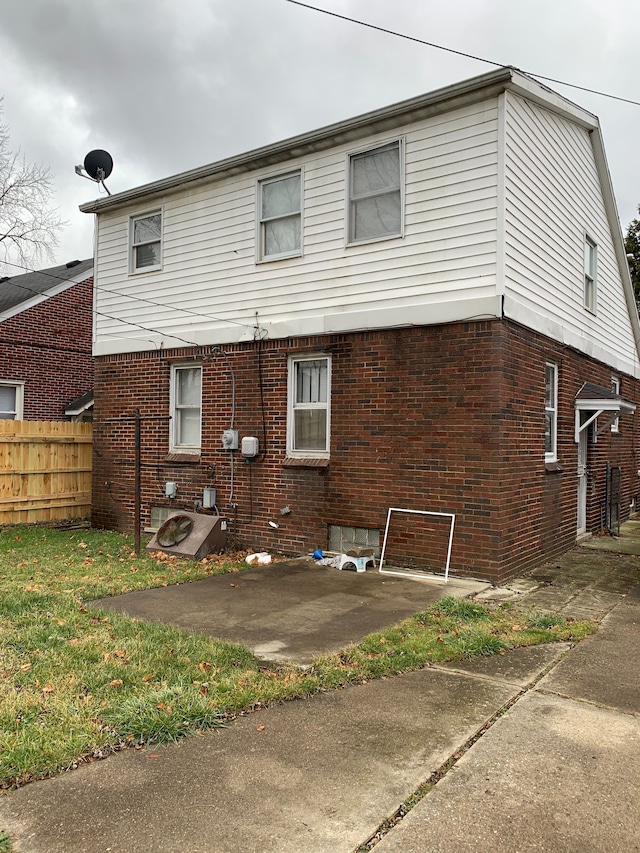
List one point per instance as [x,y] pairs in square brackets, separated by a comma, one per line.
[551,412]
[375,202]
[146,242]
[590,274]
[280,216]
[11,400]
[615,387]
[186,407]
[309,409]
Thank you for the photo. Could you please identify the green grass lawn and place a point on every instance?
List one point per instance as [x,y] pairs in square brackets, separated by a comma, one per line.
[77,683]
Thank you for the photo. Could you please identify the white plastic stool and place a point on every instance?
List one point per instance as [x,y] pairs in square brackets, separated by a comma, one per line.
[359,558]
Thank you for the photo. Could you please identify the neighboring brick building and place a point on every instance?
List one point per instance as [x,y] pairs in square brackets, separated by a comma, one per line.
[425,308]
[45,341]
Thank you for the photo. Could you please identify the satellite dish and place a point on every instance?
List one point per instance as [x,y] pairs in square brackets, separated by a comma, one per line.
[98,164]
[174,530]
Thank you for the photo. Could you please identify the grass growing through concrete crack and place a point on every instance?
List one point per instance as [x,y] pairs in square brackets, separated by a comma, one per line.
[77,683]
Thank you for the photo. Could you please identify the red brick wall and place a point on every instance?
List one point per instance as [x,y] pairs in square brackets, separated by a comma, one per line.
[48,347]
[445,418]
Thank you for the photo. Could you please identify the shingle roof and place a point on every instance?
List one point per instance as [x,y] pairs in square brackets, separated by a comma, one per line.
[19,288]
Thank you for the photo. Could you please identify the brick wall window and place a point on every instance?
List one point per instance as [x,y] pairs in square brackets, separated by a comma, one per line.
[11,399]
[309,406]
[551,413]
[186,407]
[615,387]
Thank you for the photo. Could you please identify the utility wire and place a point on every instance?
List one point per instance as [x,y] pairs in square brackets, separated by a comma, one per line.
[457,52]
[128,296]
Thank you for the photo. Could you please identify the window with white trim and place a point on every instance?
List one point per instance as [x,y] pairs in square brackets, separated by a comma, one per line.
[280,217]
[11,400]
[309,406]
[551,413]
[375,194]
[146,242]
[615,387]
[186,407]
[590,274]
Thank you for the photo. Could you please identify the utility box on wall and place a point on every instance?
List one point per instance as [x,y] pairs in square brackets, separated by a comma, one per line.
[190,534]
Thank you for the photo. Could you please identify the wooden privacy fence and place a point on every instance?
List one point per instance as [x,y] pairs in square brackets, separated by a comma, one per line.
[45,471]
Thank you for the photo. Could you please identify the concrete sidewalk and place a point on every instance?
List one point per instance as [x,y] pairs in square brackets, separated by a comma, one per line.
[554,763]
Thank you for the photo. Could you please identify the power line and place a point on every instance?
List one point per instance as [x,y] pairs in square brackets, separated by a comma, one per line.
[128,296]
[456,52]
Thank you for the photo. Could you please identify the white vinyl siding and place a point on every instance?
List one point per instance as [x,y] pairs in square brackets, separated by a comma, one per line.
[210,287]
[552,198]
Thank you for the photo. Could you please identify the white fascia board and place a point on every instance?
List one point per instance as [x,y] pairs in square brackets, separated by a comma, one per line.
[540,94]
[60,287]
[340,322]
[551,328]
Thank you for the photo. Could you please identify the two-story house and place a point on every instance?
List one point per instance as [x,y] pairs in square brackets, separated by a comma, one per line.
[46,364]
[427,307]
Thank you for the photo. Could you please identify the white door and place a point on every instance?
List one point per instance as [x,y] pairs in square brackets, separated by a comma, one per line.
[582,483]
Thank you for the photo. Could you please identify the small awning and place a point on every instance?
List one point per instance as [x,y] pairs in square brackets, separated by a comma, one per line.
[79,405]
[596,400]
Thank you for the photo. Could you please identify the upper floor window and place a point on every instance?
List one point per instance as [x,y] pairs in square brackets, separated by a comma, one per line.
[615,387]
[11,397]
[375,194]
[551,413]
[280,217]
[146,242]
[309,405]
[186,407]
[590,273]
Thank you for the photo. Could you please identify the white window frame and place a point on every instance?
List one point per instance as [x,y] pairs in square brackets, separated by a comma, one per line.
[133,269]
[292,407]
[615,387]
[590,274]
[261,255]
[174,445]
[552,411]
[353,155]
[18,411]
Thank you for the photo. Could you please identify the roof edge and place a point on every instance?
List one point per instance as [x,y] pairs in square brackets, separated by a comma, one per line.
[320,138]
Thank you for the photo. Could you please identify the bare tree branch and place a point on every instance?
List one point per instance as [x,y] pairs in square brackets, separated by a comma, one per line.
[29,225]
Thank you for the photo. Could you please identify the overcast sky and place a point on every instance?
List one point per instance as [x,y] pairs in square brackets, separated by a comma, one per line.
[168,85]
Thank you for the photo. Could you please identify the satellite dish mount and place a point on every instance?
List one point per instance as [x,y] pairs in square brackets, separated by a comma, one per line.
[97,167]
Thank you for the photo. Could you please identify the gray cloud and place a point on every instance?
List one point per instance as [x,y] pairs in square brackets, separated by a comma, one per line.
[166,86]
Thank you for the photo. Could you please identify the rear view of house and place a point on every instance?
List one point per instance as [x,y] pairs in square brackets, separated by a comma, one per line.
[46,364]
[426,307]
